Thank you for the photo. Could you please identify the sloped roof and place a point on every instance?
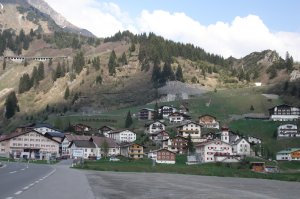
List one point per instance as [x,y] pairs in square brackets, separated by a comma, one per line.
[190,122]
[16,134]
[211,141]
[70,137]
[281,105]
[207,115]
[83,143]
[289,150]
[99,141]
[55,134]
[149,123]
[120,130]
[158,132]
[126,144]
[112,128]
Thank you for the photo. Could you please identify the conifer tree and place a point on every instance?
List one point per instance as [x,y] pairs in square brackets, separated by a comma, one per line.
[41,71]
[67,93]
[11,105]
[190,144]
[128,121]
[179,75]
[4,64]
[112,63]
[124,59]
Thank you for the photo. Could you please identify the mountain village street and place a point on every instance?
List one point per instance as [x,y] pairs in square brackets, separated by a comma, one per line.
[60,181]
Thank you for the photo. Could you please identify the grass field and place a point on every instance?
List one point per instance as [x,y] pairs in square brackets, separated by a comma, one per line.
[208,169]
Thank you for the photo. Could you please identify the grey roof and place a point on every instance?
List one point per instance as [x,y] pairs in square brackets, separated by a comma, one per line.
[84,143]
[56,134]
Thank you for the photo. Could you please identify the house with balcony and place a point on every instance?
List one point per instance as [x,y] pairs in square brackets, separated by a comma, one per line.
[132,150]
[165,111]
[29,144]
[164,156]
[178,118]
[122,135]
[146,114]
[159,136]
[154,127]
[284,113]
[288,154]
[190,128]
[177,144]
[209,121]
[215,151]
[288,131]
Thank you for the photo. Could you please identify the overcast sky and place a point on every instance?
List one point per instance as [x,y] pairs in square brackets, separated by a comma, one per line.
[231,27]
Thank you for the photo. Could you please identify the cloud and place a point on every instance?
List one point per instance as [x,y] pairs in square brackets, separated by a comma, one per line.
[102,19]
[238,38]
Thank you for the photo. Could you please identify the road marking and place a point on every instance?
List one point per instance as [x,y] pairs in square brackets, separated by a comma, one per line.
[13,172]
[9,198]
[31,184]
[37,181]
[18,193]
[22,169]
[25,188]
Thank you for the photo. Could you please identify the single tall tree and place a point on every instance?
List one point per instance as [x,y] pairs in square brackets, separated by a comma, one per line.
[112,63]
[179,75]
[128,121]
[67,93]
[104,148]
[190,144]
[4,64]
[11,105]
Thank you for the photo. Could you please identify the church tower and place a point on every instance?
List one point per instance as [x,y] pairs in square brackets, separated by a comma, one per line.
[225,134]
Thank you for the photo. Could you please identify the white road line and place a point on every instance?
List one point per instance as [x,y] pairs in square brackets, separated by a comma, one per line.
[18,193]
[22,169]
[37,181]
[13,172]
[9,198]
[31,184]
[25,188]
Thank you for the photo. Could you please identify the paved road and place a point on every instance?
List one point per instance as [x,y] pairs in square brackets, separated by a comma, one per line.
[174,186]
[16,178]
[66,183]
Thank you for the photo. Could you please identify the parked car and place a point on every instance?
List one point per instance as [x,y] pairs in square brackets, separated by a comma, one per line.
[114,159]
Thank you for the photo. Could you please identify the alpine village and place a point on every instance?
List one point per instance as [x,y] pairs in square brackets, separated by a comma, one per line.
[143,103]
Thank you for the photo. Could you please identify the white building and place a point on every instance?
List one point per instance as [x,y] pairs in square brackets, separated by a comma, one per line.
[45,128]
[253,140]
[289,154]
[122,136]
[287,131]
[214,151]
[66,151]
[284,113]
[29,144]
[241,147]
[154,127]
[87,147]
[176,118]
[166,110]
[209,121]
[190,128]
